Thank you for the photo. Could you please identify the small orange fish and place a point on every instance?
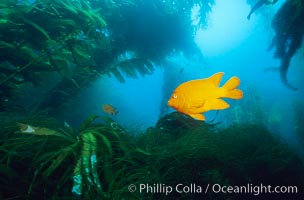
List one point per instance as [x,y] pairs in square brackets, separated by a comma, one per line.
[109,109]
[198,96]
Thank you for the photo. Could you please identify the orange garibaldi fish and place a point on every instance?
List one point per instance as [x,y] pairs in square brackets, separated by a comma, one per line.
[109,109]
[198,96]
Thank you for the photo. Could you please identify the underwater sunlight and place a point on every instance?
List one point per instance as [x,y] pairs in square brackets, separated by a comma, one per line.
[227,28]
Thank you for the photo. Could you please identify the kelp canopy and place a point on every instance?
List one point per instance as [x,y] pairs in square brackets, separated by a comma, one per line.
[61,46]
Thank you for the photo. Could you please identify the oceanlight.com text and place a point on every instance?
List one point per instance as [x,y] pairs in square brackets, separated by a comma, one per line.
[254,189]
[212,188]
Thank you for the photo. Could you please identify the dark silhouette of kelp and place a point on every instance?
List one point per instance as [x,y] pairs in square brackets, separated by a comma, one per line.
[288,25]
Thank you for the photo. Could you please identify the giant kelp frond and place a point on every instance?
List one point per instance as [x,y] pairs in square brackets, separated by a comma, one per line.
[82,39]
[93,156]
[288,25]
[205,8]
[166,27]
[131,68]
[52,36]
[184,8]
[45,149]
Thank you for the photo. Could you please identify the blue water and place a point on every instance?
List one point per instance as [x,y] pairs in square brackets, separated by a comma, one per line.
[231,44]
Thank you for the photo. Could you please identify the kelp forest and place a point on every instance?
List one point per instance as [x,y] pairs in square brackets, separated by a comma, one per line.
[53,49]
